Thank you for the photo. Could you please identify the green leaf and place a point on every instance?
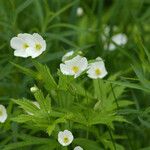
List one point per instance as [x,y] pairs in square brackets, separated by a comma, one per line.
[29,141]
[26,71]
[129,85]
[22,118]
[45,103]
[23,6]
[124,103]
[50,129]
[45,76]
[62,10]
[99,89]
[64,81]
[87,144]
[106,118]
[27,105]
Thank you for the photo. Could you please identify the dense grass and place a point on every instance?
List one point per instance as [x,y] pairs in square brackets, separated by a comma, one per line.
[63,30]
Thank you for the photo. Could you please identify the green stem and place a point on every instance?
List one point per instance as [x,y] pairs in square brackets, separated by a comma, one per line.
[87,130]
[99,84]
[64,148]
[124,126]
[111,137]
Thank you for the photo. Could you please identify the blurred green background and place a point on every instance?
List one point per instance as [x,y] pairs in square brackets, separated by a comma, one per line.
[57,21]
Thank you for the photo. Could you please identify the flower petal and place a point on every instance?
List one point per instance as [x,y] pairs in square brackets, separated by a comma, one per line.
[120,39]
[37,37]
[21,53]
[68,54]
[65,69]
[27,38]
[3,115]
[83,63]
[16,43]
[34,53]
[78,148]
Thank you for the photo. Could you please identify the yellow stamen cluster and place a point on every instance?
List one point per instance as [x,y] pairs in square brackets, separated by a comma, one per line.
[38,47]
[75,69]
[97,71]
[25,46]
[66,140]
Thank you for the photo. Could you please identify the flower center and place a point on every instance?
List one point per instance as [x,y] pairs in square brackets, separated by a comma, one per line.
[97,71]
[75,69]
[25,46]
[66,140]
[38,46]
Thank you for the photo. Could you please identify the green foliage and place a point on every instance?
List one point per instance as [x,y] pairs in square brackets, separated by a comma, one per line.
[102,114]
[71,102]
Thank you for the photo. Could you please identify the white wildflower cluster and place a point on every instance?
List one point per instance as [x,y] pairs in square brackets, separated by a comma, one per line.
[33,45]
[26,45]
[65,138]
[77,65]
[119,39]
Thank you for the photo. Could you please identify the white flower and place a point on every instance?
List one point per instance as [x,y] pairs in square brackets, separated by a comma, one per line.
[97,69]
[33,89]
[119,39]
[79,11]
[74,66]
[65,137]
[38,45]
[68,54]
[22,43]
[26,45]
[3,114]
[78,148]
[36,104]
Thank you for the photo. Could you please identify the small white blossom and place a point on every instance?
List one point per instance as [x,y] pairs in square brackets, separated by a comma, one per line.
[97,69]
[119,39]
[65,137]
[74,66]
[33,89]
[36,104]
[68,54]
[26,45]
[22,43]
[80,11]
[78,148]
[39,45]
[3,114]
